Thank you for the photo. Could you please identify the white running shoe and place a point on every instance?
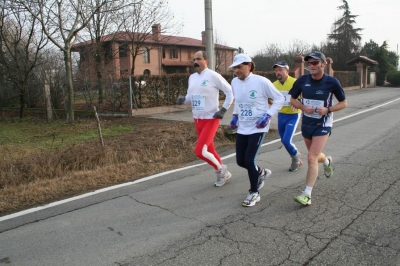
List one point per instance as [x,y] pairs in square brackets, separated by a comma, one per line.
[222,176]
[328,169]
[264,175]
[251,199]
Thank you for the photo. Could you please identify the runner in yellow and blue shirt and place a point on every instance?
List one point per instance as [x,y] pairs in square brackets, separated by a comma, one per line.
[288,116]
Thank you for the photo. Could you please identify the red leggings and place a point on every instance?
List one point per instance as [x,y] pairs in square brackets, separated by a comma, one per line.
[205,150]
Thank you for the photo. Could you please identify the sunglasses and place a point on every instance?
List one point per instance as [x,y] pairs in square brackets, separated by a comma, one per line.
[314,63]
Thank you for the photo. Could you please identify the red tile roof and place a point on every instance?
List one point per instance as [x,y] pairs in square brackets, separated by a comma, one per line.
[164,39]
[362,59]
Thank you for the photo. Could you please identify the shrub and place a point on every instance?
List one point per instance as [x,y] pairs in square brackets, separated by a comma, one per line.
[394,78]
[347,78]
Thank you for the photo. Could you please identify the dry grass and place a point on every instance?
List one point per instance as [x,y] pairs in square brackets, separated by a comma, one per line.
[43,162]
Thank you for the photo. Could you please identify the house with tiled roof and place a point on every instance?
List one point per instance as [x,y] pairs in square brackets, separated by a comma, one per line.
[159,54]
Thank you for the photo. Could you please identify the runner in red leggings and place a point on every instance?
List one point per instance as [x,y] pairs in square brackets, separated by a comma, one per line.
[203,95]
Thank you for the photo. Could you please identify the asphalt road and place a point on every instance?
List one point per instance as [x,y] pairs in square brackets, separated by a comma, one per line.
[179,218]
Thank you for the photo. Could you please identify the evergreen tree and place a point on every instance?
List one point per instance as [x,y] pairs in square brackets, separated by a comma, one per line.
[370,48]
[384,66]
[393,58]
[344,42]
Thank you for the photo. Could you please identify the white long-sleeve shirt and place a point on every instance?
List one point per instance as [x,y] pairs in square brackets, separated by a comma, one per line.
[251,102]
[203,93]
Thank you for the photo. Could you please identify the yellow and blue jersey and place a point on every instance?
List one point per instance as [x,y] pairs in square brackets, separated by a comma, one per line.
[284,89]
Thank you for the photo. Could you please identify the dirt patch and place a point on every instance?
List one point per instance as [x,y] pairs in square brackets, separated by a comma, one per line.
[148,146]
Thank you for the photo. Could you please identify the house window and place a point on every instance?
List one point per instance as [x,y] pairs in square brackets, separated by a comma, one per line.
[173,53]
[83,56]
[163,53]
[108,56]
[123,50]
[146,55]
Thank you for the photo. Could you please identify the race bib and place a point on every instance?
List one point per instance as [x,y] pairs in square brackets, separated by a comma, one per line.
[287,98]
[198,102]
[247,112]
[315,104]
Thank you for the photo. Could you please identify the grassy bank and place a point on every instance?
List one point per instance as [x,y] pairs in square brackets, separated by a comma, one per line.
[42,162]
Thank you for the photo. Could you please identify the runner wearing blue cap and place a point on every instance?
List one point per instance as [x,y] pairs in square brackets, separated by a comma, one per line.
[317,90]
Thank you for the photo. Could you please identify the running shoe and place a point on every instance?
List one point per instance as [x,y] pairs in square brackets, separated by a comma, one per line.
[304,199]
[328,170]
[264,175]
[222,176]
[296,163]
[251,199]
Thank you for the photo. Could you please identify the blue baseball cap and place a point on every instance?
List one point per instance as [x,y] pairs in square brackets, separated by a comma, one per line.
[316,55]
[281,64]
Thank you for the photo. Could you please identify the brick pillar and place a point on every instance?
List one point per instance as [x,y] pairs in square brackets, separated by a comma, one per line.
[203,37]
[298,66]
[156,32]
[328,68]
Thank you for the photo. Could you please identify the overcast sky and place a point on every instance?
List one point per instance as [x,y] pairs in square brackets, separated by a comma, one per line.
[251,24]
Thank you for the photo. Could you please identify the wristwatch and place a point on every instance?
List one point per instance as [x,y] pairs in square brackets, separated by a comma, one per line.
[329,110]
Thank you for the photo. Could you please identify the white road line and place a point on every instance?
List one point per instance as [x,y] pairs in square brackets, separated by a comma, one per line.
[43,207]
[346,117]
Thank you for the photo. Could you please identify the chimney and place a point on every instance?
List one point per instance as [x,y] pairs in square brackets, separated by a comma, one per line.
[156,30]
[203,37]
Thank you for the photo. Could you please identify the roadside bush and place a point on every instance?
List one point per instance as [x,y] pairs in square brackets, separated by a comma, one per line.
[147,91]
[347,78]
[394,78]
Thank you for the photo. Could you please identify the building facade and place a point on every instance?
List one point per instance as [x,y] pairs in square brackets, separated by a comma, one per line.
[154,54]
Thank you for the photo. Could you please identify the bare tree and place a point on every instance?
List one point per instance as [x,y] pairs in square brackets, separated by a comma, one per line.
[297,47]
[268,56]
[218,40]
[61,21]
[21,47]
[272,53]
[141,25]
[55,76]
[294,48]
[102,23]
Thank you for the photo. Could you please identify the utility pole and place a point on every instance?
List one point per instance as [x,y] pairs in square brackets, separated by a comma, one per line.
[209,34]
